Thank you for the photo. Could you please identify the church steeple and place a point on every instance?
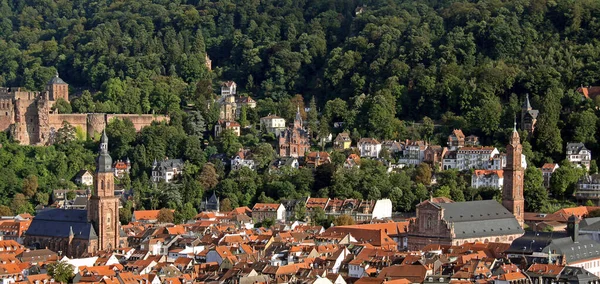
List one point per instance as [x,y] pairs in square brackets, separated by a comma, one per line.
[512,189]
[514,137]
[526,104]
[298,119]
[103,206]
[104,162]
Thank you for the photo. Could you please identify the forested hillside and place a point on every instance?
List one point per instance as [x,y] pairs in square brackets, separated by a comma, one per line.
[375,65]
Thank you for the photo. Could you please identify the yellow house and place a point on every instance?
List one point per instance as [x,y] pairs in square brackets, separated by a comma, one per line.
[342,141]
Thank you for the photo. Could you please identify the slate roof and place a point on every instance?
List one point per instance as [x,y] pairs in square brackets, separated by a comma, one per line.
[571,274]
[56,80]
[479,219]
[585,248]
[169,164]
[533,113]
[532,242]
[59,222]
[590,224]
[575,147]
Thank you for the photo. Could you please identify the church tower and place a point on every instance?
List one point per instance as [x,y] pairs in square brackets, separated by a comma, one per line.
[528,116]
[103,206]
[512,190]
[298,119]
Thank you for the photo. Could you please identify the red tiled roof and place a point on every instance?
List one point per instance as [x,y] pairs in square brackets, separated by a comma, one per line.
[145,214]
[266,207]
[548,269]
[499,173]
[512,276]
[589,92]
[479,148]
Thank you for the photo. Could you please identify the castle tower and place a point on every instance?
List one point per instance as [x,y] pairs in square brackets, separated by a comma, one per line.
[512,190]
[103,206]
[58,89]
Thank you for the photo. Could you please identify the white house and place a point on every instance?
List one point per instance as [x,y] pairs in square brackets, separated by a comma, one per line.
[488,178]
[478,158]
[475,157]
[79,262]
[547,171]
[498,162]
[357,268]
[273,211]
[84,177]
[413,153]
[339,256]
[272,124]
[238,163]
[579,155]
[383,209]
[166,170]
[369,147]
[228,88]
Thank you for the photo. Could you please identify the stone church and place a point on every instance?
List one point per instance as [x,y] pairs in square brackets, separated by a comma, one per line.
[75,233]
[528,116]
[29,118]
[443,221]
[294,141]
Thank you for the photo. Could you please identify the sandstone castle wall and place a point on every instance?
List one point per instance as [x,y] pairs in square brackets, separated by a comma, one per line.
[27,116]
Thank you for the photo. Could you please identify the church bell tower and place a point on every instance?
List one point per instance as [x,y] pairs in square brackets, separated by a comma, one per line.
[103,206]
[512,190]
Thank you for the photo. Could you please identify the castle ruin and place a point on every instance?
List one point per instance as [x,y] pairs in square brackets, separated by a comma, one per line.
[28,117]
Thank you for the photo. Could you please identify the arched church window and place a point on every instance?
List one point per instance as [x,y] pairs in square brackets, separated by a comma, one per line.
[429,222]
[108,220]
[102,185]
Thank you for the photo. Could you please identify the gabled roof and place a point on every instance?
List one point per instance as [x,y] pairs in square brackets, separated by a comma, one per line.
[545,269]
[368,141]
[458,134]
[479,219]
[414,273]
[575,147]
[145,214]
[266,207]
[549,166]
[499,173]
[60,222]
[343,137]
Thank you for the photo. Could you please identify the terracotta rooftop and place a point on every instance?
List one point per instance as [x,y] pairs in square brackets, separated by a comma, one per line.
[266,207]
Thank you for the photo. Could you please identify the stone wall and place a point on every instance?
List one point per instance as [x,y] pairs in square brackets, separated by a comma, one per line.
[94,123]
[7,113]
[139,120]
[78,120]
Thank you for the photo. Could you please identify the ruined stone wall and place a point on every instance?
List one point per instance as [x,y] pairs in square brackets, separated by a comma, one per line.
[139,120]
[96,122]
[7,114]
[26,129]
[77,120]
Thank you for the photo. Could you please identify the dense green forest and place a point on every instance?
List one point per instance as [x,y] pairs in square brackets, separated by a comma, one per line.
[375,65]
